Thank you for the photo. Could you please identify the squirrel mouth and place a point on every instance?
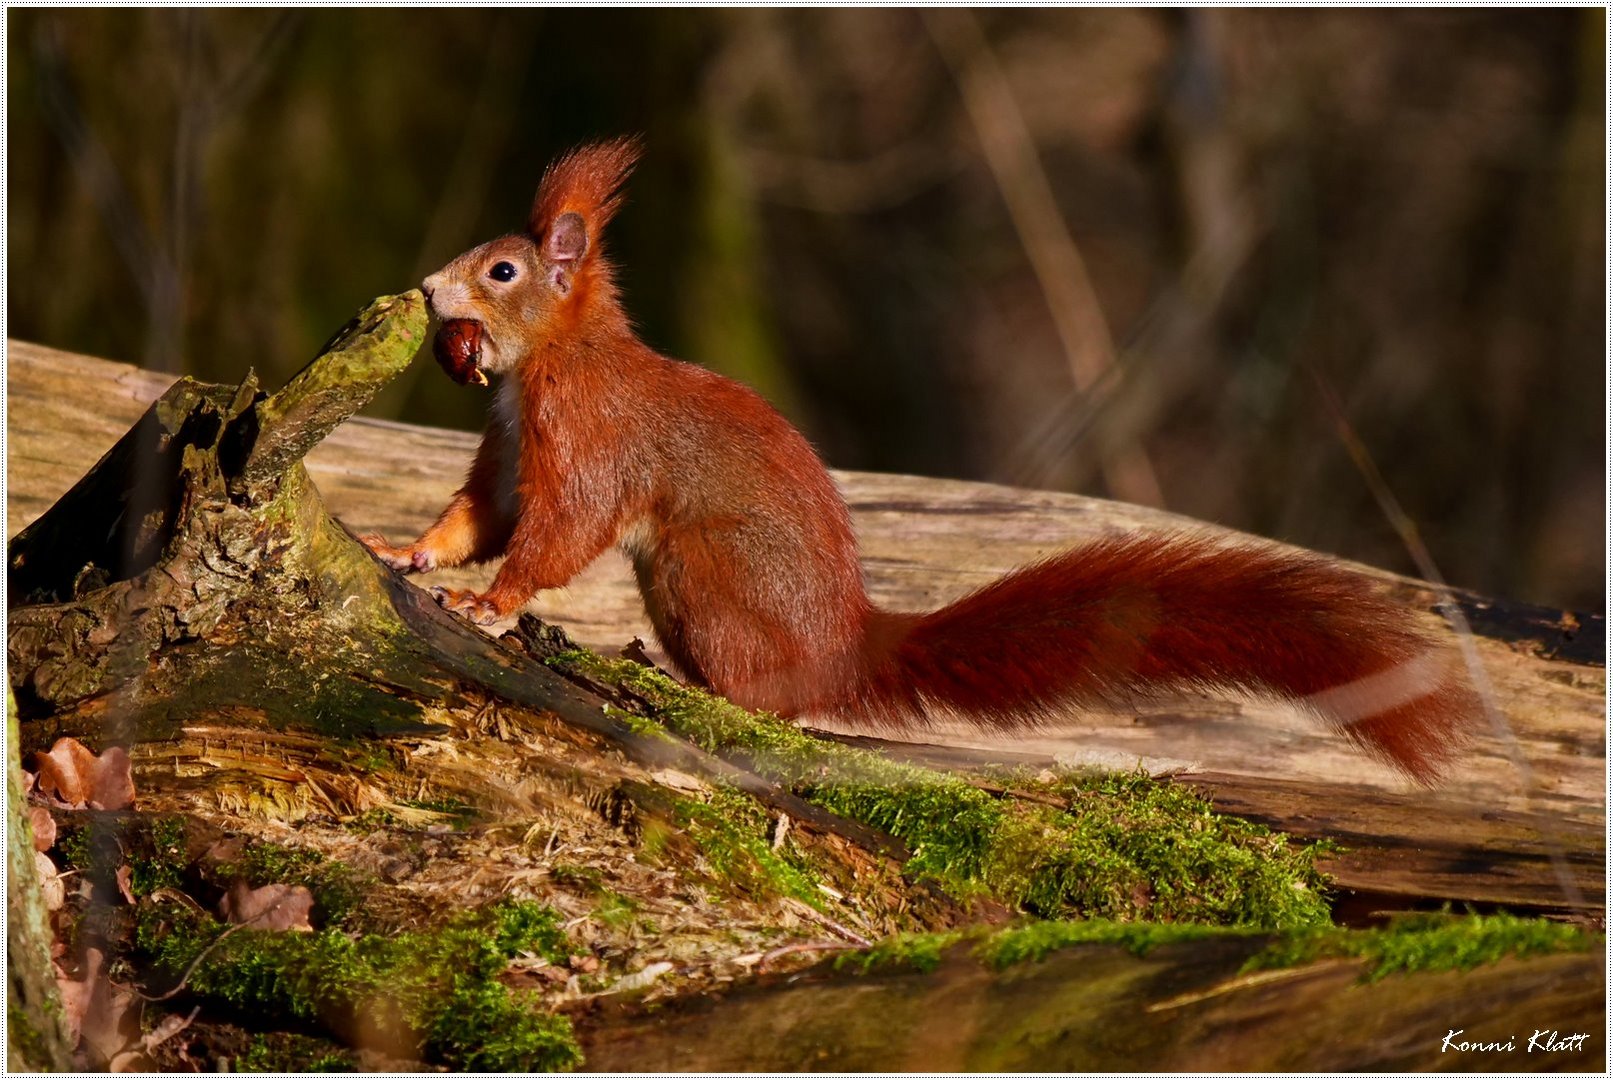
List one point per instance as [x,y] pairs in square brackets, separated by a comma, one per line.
[458,348]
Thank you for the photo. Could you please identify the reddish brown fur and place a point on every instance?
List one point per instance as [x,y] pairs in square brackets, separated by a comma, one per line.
[745,556]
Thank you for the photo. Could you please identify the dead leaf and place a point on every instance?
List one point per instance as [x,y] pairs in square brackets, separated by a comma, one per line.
[76,993]
[98,1011]
[73,776]
[44,827]
[124,875]
[228,850]
[50,882]
[270,907]
[131,1061]
[167,1028]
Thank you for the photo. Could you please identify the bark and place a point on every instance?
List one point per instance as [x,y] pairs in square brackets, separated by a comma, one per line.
[36,1039]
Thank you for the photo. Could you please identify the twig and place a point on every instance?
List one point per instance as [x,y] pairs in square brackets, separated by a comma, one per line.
[818,946]
[1055,258]
[1403,525]
[823,920]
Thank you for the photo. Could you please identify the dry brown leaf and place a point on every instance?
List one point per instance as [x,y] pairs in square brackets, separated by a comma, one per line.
[167,1028]
[224,851]
[124,875]
[98,1011]
[50,882]
[44,827]
[73,776]
[271,907]
[76,993]
[131,1061]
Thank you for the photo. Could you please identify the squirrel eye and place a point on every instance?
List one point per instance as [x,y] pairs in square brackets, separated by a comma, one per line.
[502,271]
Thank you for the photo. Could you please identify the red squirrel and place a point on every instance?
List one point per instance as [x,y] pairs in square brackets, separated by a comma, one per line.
[744,553]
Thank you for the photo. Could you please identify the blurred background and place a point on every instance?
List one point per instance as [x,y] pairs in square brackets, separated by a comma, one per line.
[1151,255]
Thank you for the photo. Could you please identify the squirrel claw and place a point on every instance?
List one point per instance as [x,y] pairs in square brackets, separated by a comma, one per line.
[478,609]
[405,559]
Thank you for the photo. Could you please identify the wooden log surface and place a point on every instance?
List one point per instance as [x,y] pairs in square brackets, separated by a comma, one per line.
[1182,1007]
[1487,835]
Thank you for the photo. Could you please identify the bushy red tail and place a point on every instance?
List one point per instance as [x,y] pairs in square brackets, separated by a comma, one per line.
[1119,621]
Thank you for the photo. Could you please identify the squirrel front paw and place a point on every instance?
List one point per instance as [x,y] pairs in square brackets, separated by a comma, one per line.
[409,560]
[474,606]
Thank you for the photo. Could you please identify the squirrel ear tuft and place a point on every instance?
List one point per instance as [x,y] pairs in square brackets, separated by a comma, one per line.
[584,184]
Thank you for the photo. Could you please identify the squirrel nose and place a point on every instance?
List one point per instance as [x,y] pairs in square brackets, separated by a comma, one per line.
[429,285]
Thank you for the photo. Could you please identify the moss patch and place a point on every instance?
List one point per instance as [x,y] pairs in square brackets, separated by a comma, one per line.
[918,952]
[1438,941]
[435,992]
[730,829]
[286,1052]
[1122,846]
[338,889]
[1412,943]
[1028,944]
[153,849]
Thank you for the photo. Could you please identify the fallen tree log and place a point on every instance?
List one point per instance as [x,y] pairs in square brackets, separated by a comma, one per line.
[1486,836]
[191,596]
[1189,1007]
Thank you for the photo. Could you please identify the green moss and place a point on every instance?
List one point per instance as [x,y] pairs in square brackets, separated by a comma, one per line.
[1412,943]
[918,952]
[1438,941]
[25,1045]
[1034,941]
[614,909]
[287,1052]
[1126,848]
[162,864]
[639,725]
[359,754]
[437,991]
[370,820]
[1130,847]
[338,889]
[76,848]
[153,849]
[730,830]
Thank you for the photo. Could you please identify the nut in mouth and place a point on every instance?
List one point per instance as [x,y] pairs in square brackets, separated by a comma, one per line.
[458,348]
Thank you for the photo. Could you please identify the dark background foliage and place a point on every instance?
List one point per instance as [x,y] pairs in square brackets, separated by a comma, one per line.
[1119,252]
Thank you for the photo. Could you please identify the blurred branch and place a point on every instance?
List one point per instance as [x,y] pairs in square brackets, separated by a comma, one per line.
[886,179]
[1053,253]
[505,60]
[1403,525]
[94,166]
[159,269]
[507,56]
[1220,226]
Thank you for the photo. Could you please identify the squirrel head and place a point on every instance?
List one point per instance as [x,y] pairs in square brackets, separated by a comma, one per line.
[525,288]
